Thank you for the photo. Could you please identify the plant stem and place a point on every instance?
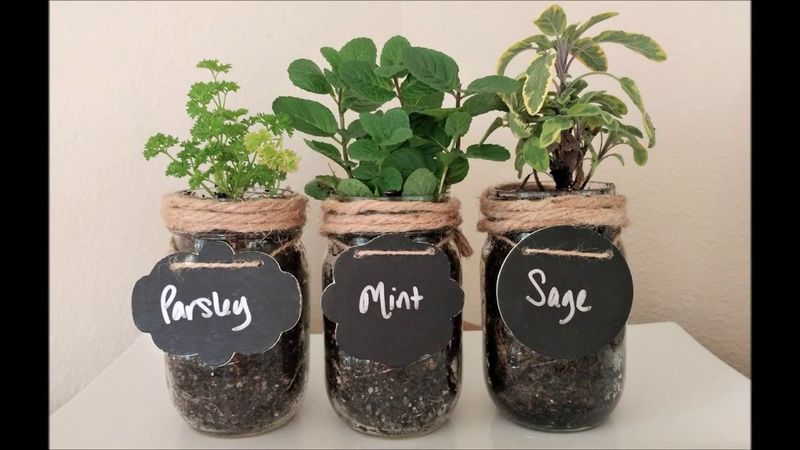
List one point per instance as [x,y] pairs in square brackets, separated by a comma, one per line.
[524,181]
[458,105]
[343,126]
[397,90]
[538,183]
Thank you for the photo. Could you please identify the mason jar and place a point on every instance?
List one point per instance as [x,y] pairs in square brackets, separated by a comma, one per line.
[251,394]
[377,399]
[532,389]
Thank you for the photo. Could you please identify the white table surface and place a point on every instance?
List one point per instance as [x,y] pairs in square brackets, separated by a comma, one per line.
[677,394]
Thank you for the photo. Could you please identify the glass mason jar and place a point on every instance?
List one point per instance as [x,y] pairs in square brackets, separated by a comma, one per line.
[251,394]
[534,390]
[380,400]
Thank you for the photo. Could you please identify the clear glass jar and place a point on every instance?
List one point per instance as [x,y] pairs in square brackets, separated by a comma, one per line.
[534,390]
[251,394]
[380,400]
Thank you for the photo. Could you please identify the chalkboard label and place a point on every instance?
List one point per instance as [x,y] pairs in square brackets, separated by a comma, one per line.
[216,303]
[393,300]
[565,291]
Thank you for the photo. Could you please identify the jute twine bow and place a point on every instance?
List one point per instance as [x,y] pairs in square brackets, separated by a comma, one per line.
[505,216]
[375,216]
[183,213]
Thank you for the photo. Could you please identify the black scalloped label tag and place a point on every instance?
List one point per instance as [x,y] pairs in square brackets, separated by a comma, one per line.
[565,291]
[393,300]
[220,303]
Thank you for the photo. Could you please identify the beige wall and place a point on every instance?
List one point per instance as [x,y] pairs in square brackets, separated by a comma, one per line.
[120,71]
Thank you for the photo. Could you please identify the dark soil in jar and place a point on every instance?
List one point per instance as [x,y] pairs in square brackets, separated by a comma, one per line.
[252,393]
[537,391]
[380,400]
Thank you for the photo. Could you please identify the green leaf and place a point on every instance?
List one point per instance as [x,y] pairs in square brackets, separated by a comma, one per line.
[351,187]
[456,171]
[553,21]
[421,182]
[519,128]
[418,95]
[615,155]
[432,67]
[583,110]
[407,160]
[539,41]
[494,84]
[333,79]
[590,54]
[158,143]
[639,152]
[390,179]
[437,113]
[395,118]
[358,104]
[593,21]
[389,129]
[630,88]
[354,130]
[538,78]
[359,49]
[306,75]
[365,150]
[389,71]
[457,124]
[361,78]
[519,157]
[390,54]
[332,56]
[639,43]
[307,116]
[551,130]
[632,130]
[214,65]
[326,150]
[491,152]
[367,170]
[316,190]
[535,155]
[611,104]
[482,103]
[398,136]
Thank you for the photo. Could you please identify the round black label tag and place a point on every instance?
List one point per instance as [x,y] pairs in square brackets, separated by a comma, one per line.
[564,291]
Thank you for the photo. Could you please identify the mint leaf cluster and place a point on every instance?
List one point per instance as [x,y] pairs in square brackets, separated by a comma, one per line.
[412,149]
[222,156]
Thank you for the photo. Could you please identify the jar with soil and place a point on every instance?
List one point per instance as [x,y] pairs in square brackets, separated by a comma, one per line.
[371,396]
[256,393]
[532,389]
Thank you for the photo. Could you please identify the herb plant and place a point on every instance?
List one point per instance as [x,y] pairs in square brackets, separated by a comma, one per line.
[414,149]
[222,156]
[556,129]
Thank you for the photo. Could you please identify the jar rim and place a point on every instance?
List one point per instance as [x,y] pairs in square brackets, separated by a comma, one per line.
[280,194]
[512,191]
[410,198]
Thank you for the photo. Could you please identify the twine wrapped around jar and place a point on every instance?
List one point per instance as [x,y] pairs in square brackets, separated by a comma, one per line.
[184,213]
[376,216]
[499,217]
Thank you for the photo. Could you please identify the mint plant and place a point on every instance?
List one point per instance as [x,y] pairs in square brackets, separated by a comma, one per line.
[559,129]
[413,149]
[222,156]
